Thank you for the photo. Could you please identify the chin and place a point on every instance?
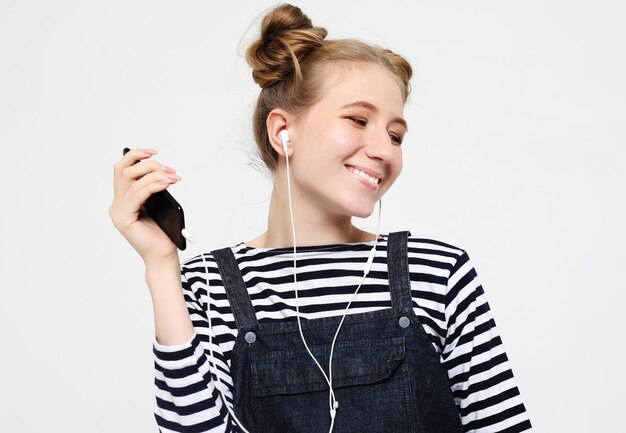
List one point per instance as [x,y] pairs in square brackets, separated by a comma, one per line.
[362,214]
[361,210]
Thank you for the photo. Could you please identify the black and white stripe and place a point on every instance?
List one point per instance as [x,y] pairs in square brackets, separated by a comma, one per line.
[447,297]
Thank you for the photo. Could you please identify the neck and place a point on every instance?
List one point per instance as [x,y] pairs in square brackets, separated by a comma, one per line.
[313,225]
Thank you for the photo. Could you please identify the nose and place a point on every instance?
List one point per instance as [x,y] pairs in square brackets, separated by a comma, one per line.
[379,144]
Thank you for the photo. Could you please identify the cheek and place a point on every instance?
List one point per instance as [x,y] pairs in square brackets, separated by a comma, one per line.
[342,139]
[395,170]
[399,165]
[395,162]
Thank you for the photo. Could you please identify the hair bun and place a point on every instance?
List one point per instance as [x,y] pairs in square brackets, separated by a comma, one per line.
[287,36]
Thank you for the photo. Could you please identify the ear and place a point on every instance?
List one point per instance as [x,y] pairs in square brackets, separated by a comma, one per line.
[277,120]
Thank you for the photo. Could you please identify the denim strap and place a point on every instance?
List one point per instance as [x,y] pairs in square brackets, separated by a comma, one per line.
[398,271]
[235,287]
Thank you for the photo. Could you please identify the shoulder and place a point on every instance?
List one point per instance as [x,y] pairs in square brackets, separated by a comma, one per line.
[208,258]
[435,246]
[199,273]
[206,263]
[452,265]
[435,251]
[199,262]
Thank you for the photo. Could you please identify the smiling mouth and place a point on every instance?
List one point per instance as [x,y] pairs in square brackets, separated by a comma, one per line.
[371,180]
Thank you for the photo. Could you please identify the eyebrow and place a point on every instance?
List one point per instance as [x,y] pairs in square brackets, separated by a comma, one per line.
[373,108]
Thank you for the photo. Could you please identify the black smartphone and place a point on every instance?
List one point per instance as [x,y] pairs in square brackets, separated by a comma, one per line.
[167,213]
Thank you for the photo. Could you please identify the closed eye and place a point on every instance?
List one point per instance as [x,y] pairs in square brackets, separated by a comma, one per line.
[395,138]
[358,121]
[362,122]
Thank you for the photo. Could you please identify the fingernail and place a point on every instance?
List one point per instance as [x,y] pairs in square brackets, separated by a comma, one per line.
[168,169]
[174,176]
[151,151]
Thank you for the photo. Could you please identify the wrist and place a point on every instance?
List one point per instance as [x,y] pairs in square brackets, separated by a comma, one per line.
[165,265]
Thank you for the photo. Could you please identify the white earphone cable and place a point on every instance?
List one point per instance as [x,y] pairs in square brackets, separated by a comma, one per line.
[187,236]
[332,401]
[295,281]
[367,268]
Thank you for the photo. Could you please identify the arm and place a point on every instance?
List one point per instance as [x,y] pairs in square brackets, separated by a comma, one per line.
[172,324]
[185,385]
[187,399]
[478,368]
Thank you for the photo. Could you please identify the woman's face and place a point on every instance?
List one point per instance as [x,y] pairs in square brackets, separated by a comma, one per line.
[357,124]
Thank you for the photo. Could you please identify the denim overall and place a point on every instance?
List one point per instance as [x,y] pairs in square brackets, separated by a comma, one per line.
[387,376]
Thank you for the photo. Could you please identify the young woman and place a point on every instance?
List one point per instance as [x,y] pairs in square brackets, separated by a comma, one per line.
[316,325]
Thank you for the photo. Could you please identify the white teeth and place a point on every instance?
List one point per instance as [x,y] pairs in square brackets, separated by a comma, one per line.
[373,180]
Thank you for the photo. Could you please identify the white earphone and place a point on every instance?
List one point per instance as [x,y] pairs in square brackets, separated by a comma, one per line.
[284,137]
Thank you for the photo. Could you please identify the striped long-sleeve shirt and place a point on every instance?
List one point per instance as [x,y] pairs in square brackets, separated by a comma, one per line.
[447,297]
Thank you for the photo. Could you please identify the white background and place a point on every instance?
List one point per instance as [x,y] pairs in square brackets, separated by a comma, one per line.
[516,153]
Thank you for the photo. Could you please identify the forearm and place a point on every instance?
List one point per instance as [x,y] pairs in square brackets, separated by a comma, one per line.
[172,323]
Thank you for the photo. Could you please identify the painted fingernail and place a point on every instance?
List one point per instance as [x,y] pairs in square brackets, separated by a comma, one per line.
[168,169]
[174,176]
[150,151]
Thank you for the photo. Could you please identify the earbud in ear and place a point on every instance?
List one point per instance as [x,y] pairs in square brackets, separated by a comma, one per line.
[284,137]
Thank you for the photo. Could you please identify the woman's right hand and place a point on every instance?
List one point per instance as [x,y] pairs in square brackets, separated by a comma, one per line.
[132,185]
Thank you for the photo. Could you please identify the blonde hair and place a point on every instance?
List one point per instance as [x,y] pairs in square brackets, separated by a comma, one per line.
[289,61]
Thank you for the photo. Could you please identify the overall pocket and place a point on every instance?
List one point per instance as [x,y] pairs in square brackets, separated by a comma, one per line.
[370,380]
